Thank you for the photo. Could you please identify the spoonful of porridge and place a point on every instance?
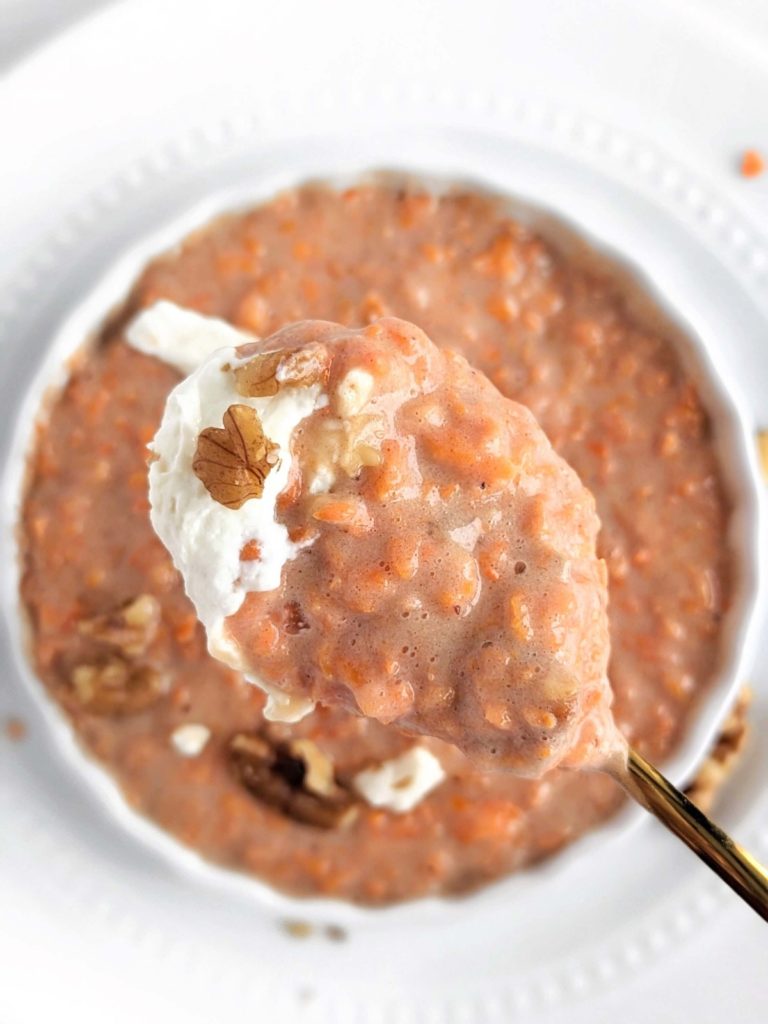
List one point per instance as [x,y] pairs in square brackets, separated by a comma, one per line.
[362,520]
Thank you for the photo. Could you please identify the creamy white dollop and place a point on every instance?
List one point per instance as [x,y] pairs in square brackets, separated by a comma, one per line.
[204,537]
[180,337]
[401,783]
[190,739]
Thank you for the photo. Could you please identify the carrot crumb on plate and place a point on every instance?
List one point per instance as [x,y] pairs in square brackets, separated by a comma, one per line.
[15,729]
[752,163]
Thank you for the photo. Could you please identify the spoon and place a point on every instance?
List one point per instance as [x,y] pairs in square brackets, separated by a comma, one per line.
[726,858]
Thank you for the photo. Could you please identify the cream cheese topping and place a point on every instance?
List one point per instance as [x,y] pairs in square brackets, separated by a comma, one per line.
[401,783]
[190,739]
[204,537]
[180,337]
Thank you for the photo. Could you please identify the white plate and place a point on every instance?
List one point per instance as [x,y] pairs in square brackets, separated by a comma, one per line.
[248,96]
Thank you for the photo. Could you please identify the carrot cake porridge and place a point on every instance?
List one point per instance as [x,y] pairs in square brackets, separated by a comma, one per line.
[325,801]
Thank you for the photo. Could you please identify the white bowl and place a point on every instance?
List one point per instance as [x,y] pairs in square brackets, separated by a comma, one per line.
[733,438]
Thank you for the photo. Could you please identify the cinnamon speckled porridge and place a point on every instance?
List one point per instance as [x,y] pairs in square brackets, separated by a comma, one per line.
[118,645]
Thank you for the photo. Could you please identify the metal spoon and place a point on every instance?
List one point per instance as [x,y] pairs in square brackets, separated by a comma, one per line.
[731,862]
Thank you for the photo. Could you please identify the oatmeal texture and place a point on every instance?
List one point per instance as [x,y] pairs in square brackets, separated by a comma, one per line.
[613,400]
[446,580]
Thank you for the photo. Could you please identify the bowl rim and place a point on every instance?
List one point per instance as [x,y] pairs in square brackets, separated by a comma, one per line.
[733,438]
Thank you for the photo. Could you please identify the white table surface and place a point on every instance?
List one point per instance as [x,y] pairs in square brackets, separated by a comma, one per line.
[24,24]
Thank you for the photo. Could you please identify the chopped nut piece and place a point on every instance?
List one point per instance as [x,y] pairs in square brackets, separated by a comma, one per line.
[266,373]
[297,929]
[258,377]
[130,628]
[305,366]
[724,755]
[116,687]
[318,776]
[234,462]
[284,777]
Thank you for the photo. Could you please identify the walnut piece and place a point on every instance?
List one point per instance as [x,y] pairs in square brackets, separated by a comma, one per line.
[295,778]
[724,756]
[131,627]
[297,929]
[318,770]
[115,687]
[267,372]
[233,463]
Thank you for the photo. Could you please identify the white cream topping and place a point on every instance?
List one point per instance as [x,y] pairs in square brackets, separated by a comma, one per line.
[281,706]
[400,784]
[190,739]
[204,537]
[180,337]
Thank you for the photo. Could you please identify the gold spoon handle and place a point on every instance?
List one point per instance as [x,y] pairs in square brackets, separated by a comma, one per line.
[733,864]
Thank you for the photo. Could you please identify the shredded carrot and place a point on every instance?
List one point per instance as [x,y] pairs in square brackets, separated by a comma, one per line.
[250,551]
[752,163]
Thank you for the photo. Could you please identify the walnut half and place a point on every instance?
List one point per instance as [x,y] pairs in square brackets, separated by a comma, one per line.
[295,778]
[264,374]
[115,687]
[233,462]
[130,628]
